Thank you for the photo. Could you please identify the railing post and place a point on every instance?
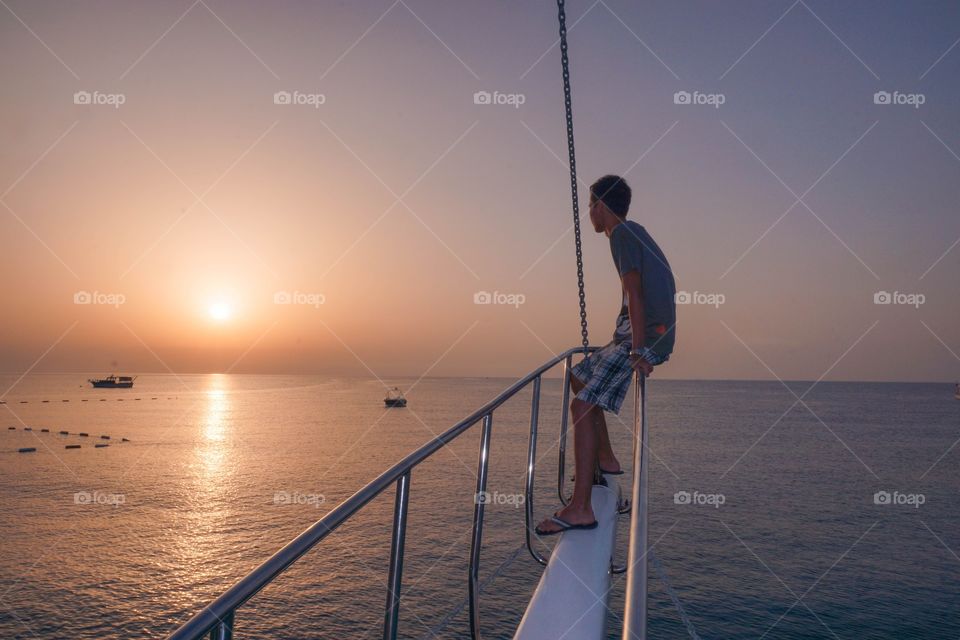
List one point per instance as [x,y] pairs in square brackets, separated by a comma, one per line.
[223,630]
[479,500]
[635,613]
[531,469]
[564,416]
[391,616]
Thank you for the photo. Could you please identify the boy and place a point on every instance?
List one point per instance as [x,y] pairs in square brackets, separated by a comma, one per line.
[601,382]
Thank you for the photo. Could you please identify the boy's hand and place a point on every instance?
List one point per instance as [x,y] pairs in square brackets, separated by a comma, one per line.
[640,364]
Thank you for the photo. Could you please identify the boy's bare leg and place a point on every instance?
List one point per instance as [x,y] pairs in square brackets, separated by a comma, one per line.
[586,441]
[605,457]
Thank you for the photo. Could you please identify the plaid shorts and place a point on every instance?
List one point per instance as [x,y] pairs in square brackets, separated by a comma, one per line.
[607,378]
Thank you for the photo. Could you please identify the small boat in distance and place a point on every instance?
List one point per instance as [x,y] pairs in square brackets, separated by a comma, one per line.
[395,398]
[113,382]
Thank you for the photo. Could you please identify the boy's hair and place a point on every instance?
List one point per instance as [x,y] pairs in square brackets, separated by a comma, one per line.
[614,192]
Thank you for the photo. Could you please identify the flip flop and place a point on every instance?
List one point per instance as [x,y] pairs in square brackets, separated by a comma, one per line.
[564,526]
[611,473]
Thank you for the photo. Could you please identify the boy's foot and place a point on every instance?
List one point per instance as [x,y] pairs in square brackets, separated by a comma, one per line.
[569,518]
[609,465]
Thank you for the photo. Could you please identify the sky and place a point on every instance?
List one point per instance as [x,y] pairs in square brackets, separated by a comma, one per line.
[336,187]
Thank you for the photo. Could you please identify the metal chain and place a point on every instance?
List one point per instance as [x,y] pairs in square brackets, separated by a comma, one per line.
[568,104]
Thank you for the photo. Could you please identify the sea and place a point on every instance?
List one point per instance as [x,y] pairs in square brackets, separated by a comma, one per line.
[777,510]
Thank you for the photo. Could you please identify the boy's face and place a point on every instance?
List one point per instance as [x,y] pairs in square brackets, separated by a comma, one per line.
[596,213]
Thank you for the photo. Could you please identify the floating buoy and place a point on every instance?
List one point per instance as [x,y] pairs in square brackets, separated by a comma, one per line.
[64,401]
[125,440]
[26,449]
[136,398]
[23,402]
[83,435]
[72,446]
[153,398]
[119,399]
[64,433]
[28,429]
[44,430]
[100,445]
[85,400]
[104,437]
[103,399]
[44,401]
[12,428]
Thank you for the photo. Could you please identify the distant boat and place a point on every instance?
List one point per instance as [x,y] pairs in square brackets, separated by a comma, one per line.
[395,398]
[113,382]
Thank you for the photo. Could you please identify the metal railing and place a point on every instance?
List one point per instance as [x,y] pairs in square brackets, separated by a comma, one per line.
[635,608]
[217,618]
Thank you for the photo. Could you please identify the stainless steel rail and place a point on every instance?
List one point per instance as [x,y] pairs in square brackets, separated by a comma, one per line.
[217,618]
[635,613]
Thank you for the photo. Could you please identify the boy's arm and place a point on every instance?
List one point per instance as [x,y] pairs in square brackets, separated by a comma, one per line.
[633,288]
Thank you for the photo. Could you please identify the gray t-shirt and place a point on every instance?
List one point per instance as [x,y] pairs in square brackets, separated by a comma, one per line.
[633,249]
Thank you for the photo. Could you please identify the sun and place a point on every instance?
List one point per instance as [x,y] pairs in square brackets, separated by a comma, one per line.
[220,311]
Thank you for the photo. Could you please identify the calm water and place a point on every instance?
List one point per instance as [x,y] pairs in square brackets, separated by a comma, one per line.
[220,471]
